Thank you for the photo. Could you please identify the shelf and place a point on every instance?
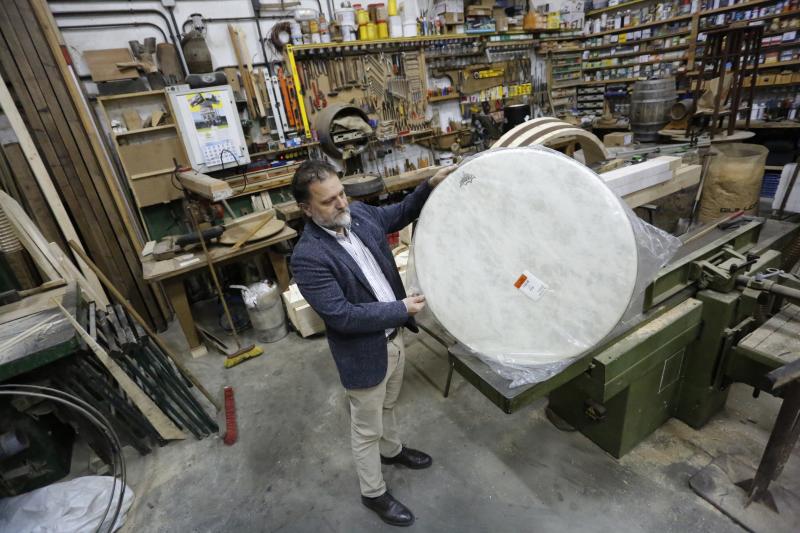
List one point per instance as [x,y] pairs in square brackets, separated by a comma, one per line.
[755,19]
[379,43]
[126,96]
[621,5]
[787,84]
[145,130]
[642,52]
[444,98]
[637,41]
[785,44]
[284,150]
[152,173]
[626,65]
[779,32]
[762,66]
[639,26]
[778,64]
[597,82]
[500,44]
[739,5]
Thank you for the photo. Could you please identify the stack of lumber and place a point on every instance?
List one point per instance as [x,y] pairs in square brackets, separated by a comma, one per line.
[49,114]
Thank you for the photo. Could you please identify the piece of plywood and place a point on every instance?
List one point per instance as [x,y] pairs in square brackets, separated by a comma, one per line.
[242,226]
[146,159]
[103,64]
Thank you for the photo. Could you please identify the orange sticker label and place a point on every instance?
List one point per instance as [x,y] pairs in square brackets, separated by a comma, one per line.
[520,281]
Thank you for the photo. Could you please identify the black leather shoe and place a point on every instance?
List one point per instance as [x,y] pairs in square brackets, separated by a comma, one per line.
[389,510]
[410,458]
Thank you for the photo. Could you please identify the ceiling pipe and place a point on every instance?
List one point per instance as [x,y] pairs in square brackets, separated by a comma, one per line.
[91,27]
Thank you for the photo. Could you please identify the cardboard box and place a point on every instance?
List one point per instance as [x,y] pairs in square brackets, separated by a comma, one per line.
[796,77]
[765,79]
[783,77]
[500,19]
[441,7]
[479,11]
[618,138]
[453,18]
[304,319]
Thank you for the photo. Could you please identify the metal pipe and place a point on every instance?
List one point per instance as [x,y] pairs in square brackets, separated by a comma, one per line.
[772,287]
[115,25]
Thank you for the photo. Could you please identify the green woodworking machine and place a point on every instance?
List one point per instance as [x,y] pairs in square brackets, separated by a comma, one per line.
[721,312]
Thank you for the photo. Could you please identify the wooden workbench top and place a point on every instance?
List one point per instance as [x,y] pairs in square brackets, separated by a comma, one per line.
[159,270]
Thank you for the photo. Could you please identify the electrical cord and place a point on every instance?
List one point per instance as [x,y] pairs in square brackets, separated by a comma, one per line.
[238,167]
[99,420]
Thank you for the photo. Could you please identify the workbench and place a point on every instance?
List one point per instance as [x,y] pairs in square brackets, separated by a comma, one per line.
[171,274]
[55,341]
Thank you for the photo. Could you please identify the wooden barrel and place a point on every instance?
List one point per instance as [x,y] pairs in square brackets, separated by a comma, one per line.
[650,105]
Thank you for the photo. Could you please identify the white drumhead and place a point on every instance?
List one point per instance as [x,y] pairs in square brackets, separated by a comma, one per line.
[534,218]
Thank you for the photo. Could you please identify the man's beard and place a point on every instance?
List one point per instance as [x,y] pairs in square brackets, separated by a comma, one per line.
[339,221]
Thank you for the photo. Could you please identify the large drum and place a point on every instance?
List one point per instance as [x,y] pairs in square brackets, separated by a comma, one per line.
[526,256]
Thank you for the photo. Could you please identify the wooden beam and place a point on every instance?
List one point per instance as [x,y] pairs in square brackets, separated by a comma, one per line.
[42,176]
[247,80]
[684,178]
[55,42]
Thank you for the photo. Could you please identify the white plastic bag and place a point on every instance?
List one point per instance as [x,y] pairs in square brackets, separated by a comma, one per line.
[74,506]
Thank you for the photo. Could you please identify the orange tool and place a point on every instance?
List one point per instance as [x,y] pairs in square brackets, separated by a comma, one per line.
[285,94]
[295,108]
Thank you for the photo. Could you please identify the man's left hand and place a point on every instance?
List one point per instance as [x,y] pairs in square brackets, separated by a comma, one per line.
[441,174]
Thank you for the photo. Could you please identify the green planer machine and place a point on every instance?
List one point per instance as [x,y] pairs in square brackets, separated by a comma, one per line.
[721,312]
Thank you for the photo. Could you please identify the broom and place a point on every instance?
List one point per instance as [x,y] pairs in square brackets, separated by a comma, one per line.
[241,354]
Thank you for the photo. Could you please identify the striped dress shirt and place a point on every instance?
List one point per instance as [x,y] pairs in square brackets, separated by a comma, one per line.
[368,265]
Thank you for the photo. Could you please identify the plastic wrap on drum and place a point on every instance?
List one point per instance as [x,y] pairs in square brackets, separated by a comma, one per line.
[556,303]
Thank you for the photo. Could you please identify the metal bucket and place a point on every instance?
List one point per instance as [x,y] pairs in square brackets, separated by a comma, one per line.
[650,106]
[265,309]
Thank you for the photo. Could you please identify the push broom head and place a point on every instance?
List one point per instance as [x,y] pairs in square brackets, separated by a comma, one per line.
[248,352]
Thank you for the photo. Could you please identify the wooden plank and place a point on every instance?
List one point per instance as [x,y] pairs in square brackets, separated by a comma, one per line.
[64,133]
[34,200]
[109,222]
[41,123]
[30,305]
[685,177]
[28,235]
[247,81]
[205,186]
[84,130]
[103,64]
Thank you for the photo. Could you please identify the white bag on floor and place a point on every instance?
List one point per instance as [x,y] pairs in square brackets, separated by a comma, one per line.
[74,506]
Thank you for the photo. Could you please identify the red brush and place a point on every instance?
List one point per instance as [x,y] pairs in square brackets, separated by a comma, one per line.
[231,431]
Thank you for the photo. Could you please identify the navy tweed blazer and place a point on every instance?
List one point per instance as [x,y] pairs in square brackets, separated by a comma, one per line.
[331,281]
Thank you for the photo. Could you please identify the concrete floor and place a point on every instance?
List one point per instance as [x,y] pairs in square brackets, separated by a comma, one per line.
[292,470]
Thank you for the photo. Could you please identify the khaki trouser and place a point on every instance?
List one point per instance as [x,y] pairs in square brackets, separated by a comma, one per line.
[373,428]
